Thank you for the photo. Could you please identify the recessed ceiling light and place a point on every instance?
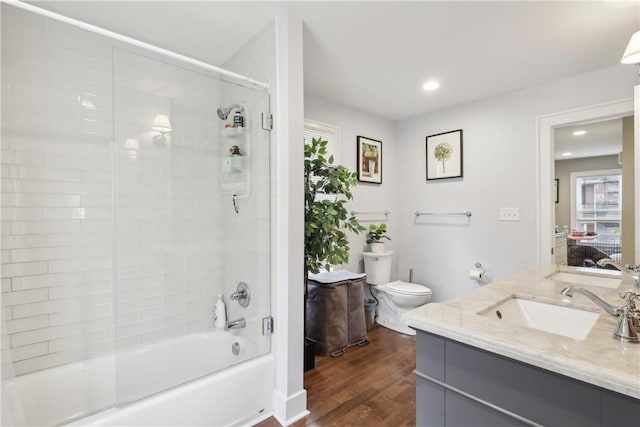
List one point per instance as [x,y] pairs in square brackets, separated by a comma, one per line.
[579,132]
[432,85]
[567,154]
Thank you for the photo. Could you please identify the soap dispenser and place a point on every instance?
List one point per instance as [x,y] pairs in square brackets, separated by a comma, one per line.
[220,319]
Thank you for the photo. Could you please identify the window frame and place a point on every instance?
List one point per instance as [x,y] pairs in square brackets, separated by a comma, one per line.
[573,176]
[330,133]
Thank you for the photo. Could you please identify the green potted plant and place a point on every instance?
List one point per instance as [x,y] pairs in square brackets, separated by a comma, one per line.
[327,188]
[377,232]
[326,219]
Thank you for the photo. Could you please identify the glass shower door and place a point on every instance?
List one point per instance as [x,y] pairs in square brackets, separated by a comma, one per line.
[189,225]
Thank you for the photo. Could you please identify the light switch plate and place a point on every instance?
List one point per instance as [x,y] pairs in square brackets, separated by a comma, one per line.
[509,214]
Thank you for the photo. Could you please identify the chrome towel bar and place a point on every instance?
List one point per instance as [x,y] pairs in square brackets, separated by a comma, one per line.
[385,213]
[467,213]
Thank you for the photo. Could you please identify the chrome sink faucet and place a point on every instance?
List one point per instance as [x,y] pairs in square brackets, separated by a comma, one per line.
[631,272]
[611,309]
[628,315]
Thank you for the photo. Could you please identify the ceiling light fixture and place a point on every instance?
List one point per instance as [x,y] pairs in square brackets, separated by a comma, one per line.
[432,85]
[579,132]
[567,154]
[632,53]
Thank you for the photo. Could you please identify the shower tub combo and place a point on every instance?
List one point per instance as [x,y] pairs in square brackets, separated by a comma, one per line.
[135,220]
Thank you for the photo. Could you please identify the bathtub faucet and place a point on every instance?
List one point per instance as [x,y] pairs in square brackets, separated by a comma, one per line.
[236,324]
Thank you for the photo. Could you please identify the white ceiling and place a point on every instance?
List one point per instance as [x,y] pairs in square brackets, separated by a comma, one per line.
[602,139]
[375,56]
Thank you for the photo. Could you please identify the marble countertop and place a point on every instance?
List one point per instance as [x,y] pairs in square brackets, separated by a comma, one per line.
[598,359]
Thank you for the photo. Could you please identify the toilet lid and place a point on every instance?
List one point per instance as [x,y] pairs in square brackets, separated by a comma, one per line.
[408,288]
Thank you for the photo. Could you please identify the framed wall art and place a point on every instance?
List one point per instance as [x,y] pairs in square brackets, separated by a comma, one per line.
[369,160]
[444,155]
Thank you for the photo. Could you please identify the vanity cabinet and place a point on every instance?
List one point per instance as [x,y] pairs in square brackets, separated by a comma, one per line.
[560,249]
[461,385]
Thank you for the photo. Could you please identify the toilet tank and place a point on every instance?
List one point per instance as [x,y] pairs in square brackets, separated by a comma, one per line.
[377,266]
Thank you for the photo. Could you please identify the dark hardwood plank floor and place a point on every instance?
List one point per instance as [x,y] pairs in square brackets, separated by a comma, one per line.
[368,386]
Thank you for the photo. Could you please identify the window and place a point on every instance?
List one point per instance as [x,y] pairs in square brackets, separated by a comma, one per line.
[313,129]
[597,201]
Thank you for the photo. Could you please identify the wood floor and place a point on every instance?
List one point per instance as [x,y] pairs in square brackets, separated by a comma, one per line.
[368,386]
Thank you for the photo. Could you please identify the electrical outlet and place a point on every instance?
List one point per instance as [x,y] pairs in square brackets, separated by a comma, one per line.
[509,214]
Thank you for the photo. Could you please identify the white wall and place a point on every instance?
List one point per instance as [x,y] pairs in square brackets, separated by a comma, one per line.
[499,161]
[499,171]
[274,56]
[367,197]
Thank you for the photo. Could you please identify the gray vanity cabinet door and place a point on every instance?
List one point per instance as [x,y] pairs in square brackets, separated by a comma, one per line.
[430,362]
[620,411]
[538,395]
[458,386]
[430,410]
[430,355]
[462,411]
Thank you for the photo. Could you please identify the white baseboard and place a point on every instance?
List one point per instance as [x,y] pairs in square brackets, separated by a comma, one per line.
[288,410]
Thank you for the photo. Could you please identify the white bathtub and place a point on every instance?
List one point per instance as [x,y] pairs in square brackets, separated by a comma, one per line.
[239,395]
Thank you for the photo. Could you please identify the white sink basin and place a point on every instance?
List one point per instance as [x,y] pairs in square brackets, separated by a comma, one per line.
[555,319]
[603,280]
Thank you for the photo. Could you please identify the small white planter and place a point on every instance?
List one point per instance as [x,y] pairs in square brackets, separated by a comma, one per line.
[377,247]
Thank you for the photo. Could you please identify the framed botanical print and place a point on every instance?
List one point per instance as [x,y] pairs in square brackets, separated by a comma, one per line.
[369,160]
[444,155]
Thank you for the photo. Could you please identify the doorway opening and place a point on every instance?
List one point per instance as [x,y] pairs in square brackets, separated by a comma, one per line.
[547,186]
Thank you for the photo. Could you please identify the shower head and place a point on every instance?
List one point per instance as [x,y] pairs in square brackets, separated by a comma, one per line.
[223,113]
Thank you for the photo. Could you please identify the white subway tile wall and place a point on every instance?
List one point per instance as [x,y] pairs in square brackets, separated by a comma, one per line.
[56,193]
[167,199]
[85,177]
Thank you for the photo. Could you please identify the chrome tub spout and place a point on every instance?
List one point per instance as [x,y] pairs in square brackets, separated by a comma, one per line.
[236,324]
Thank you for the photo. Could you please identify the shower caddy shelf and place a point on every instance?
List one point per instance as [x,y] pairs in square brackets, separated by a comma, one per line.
[234,133]
[235,175]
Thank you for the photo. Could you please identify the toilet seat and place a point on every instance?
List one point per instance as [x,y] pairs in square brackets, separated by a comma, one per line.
[405,288]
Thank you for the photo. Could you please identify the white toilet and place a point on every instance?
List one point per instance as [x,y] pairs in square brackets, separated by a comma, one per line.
[394,298]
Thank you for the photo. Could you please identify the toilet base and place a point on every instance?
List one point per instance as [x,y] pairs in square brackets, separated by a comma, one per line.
[390,315]
[392,305]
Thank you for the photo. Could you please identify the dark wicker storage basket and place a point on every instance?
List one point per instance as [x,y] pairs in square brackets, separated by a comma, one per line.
[335,315]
